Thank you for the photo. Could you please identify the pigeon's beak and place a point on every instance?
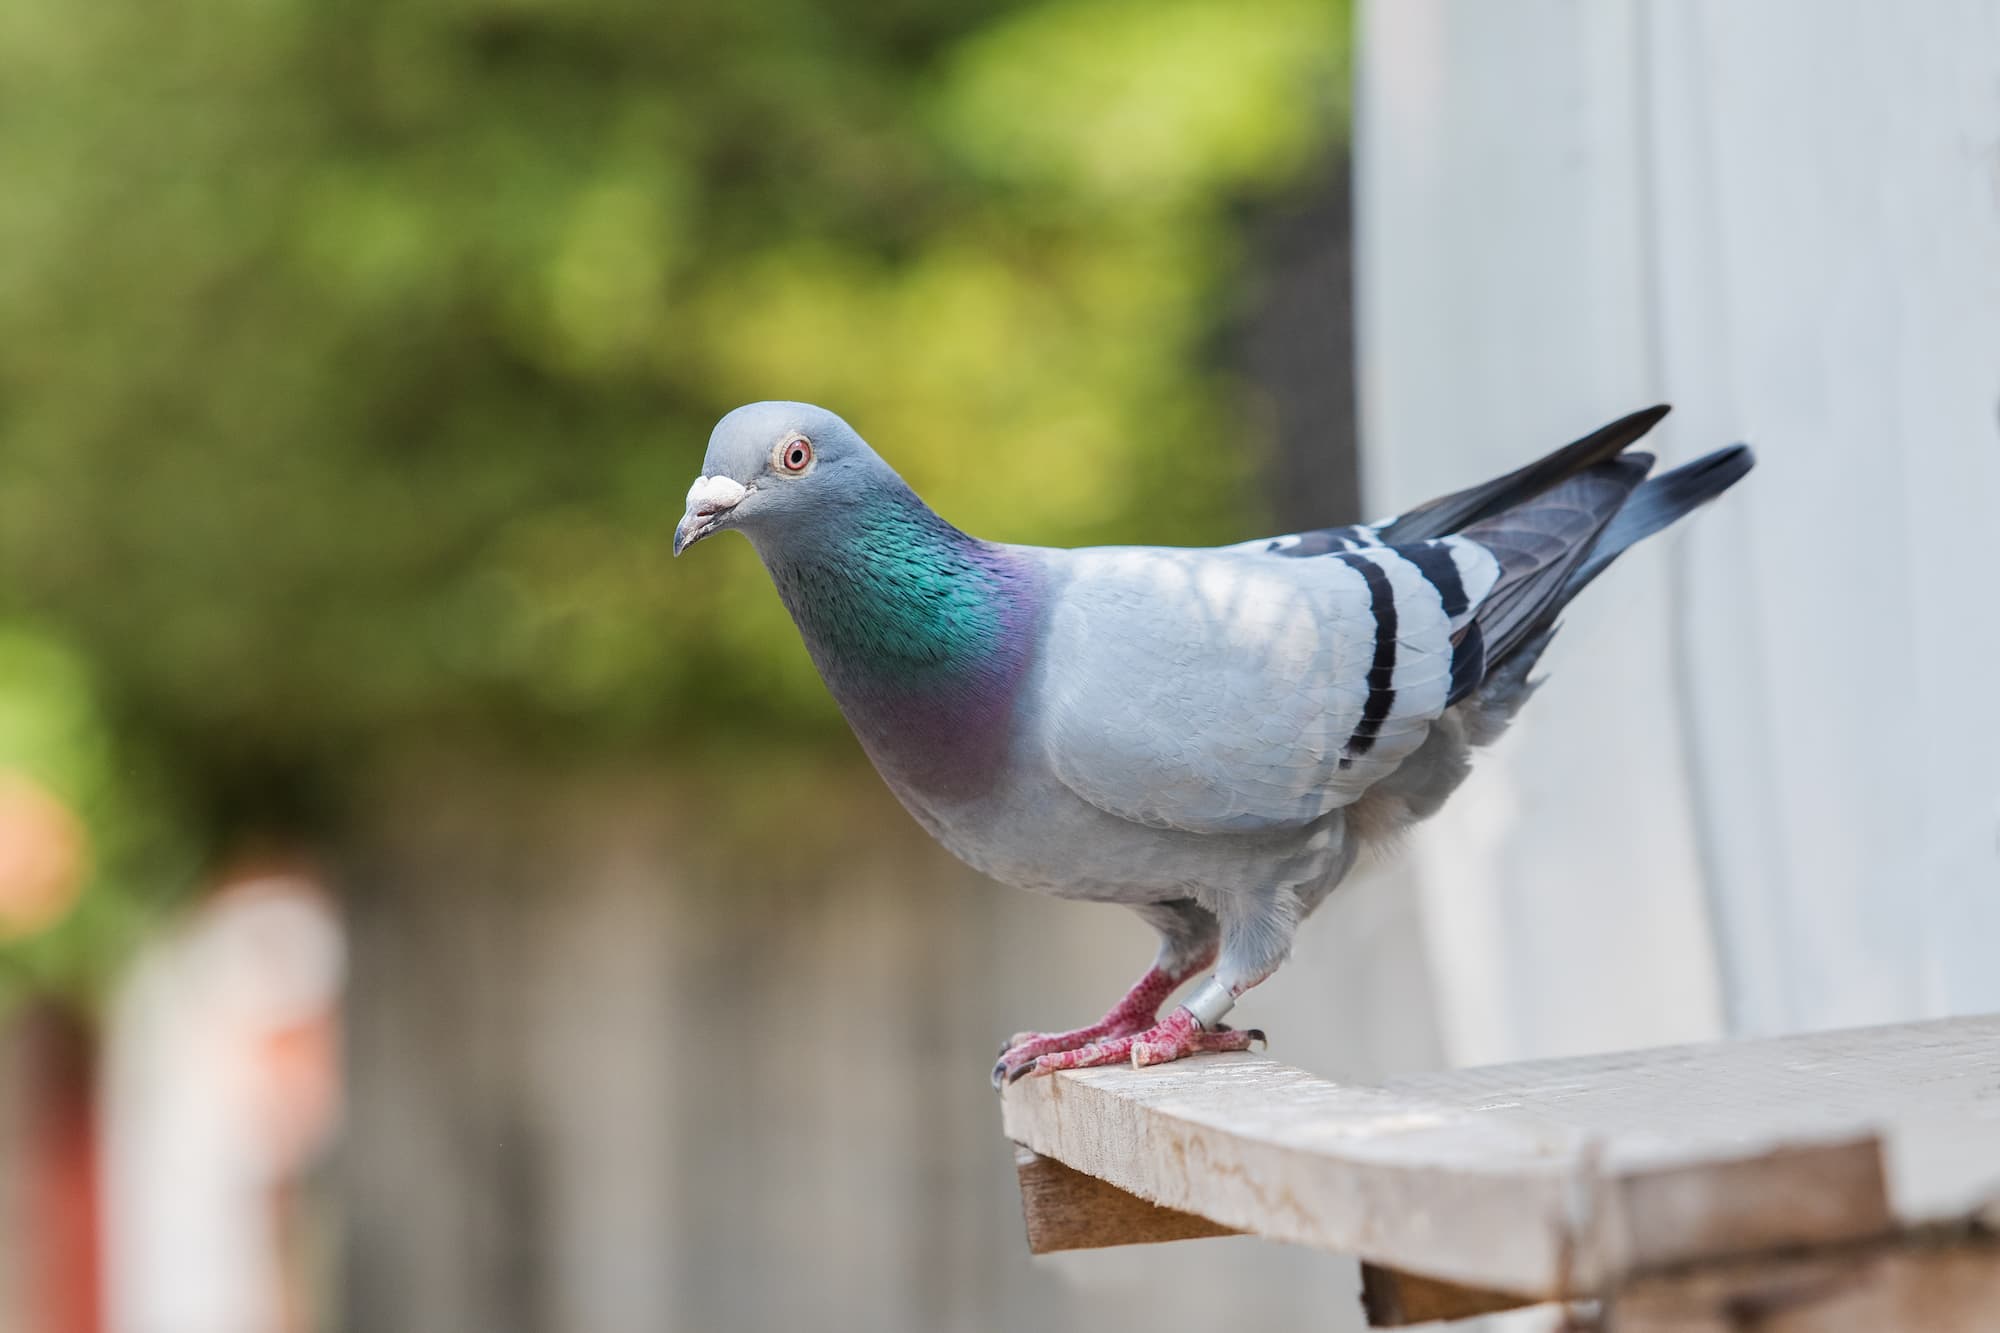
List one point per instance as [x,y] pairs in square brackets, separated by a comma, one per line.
[709,501]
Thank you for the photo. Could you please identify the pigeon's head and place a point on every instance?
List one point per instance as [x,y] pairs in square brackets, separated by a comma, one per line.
[772,467]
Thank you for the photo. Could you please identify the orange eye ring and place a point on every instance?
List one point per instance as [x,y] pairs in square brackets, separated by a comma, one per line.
[794,455]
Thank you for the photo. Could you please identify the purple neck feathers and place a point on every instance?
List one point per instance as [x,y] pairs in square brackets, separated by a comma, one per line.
[923,634]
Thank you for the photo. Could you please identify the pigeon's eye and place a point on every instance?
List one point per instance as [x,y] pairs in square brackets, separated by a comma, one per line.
[795,455]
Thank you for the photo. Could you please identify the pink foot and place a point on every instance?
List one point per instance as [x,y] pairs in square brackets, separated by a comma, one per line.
[1171,1038]
[1024,1048]
[1131,1016]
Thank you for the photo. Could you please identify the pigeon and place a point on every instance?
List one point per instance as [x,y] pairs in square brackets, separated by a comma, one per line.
[1210,736]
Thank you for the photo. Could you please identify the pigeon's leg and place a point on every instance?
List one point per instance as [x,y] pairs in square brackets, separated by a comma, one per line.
[1188,935]
[1254,942]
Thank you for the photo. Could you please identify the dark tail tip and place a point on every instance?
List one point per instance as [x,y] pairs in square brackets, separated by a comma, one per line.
[1663,499]
[1686,487]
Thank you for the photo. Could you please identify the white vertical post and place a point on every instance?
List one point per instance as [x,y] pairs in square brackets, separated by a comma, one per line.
[1763,785]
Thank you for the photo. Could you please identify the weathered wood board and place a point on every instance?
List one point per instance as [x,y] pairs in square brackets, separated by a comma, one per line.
[1555,1177]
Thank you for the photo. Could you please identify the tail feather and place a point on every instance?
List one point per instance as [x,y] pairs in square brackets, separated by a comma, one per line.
[1540,545]
[1461,509]
[1552,545]
[1662,500]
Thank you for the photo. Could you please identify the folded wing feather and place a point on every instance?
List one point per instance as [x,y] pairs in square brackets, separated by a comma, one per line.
[1219,691]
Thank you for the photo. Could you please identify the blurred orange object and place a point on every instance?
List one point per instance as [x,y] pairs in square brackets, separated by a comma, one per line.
[43,852]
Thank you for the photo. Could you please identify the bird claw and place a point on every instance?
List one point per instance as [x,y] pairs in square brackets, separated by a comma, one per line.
[1024,1051]
[1173,1037]
[1136,1013]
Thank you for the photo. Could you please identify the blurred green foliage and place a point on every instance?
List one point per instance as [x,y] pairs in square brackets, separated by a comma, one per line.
[53,735]
[354,358]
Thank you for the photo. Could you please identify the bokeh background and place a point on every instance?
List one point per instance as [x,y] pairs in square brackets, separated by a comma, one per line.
[425,906]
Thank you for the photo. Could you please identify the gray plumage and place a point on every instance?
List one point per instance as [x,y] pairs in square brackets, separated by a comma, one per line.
[1207,735]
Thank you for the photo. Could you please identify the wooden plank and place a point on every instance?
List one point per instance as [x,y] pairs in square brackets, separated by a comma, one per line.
[1553,1178]
[1067,1210]
[1929,1091]
[1392,1298]
[1477,1197]
[1923,1284]
[1267,1149]
[1788,1196]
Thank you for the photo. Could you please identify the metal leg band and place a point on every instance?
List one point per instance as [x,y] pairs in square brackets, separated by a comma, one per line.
[1209,1003]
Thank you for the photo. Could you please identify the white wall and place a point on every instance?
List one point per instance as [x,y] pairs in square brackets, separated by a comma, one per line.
[1762,790]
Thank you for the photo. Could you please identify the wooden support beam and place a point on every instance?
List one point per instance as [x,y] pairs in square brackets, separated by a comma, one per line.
[1067,1210]
[1926,1283]
[1392,1298]
[1555,1179]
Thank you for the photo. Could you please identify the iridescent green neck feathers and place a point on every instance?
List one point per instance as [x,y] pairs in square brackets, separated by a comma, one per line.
[894,595]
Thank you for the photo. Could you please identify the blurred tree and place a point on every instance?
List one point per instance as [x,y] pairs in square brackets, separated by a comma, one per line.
[354,358]
[89,847]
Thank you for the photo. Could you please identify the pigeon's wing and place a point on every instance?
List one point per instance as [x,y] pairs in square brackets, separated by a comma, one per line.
[1221,691]
[1320,541]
